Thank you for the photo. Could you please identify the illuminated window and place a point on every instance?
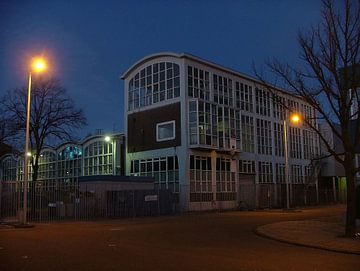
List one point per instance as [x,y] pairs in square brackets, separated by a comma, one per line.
[165,131]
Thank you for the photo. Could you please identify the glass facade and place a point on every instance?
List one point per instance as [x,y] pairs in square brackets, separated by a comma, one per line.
[265,172]
[279,139]
[234,127]
[225,180]
[165,170]
[98,158]
[69,161]
[154,84]
[10,169]
[200,178]
[248,134]
[47,165]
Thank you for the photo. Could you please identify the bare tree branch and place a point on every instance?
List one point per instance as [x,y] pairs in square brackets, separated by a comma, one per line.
[329,81]
[53,115]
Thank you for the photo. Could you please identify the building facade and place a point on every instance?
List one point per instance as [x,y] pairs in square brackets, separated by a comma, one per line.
[214,136]
[94,155]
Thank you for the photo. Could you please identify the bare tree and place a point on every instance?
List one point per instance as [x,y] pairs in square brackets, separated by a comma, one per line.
[8,128]
[329,82]
[53,115]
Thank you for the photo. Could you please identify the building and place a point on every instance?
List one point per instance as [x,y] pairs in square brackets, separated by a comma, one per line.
[332,172]
[94,155]
[214,136]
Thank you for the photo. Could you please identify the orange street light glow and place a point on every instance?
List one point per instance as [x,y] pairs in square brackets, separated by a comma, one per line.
[295,118]
[39,64]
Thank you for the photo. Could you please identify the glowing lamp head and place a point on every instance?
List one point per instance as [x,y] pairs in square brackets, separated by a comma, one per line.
[107,138]
[28,154]
[39,65]
[295,118]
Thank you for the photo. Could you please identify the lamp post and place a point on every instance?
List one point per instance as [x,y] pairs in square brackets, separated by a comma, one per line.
[294,118]
[38,65]
[111,141]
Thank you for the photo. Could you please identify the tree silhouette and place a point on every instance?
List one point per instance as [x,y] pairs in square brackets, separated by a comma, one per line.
[53,115]
[329,82]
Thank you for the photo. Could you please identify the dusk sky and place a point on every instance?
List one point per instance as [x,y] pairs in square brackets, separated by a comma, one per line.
[89,44]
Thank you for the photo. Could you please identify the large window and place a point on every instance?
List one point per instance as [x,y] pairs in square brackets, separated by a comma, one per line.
[225,180]
[9,168]
[244,97]
[153,84]
[265,172]
[309,141]
[264,143]
[247,130]
[278,107]
[200,178]
[223,90]
[295,143]
[198,83]
[165,131]
[203,123]
[247,166]
[297,176]
[262,99]
[165,170]
[69,163]
[228,128]
[279,139]
[98,158]
[47,166]
[280,173]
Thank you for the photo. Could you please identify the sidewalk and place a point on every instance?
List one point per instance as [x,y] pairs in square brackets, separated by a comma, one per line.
[323,234]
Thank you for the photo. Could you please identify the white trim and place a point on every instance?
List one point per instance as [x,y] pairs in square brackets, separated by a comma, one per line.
[164,123]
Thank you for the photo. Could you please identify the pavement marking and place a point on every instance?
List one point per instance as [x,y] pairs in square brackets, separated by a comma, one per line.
[112,245]
[117,229]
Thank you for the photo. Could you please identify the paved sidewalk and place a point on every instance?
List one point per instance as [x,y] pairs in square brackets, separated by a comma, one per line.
[323,234]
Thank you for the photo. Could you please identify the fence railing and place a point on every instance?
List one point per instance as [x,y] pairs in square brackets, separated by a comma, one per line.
[57,200]
[48,201]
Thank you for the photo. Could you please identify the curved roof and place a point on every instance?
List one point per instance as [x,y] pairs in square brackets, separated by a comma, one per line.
[146,59]
[202,61]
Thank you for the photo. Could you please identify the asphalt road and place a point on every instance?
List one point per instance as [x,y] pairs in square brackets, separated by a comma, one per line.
[205,241]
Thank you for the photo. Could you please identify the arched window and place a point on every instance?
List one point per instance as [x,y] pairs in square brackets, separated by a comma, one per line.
[9,167]
[47,166]
[98,158]
[155,83]
[69,163]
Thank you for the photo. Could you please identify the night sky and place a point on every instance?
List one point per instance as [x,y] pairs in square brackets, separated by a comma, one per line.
[89,44]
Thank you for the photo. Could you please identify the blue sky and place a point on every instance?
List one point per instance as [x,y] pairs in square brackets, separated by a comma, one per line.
[91,43]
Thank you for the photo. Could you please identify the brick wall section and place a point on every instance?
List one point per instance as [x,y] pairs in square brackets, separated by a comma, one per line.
[142,128]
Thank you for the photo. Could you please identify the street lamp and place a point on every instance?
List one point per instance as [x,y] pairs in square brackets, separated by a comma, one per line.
[38,65]
[294,118]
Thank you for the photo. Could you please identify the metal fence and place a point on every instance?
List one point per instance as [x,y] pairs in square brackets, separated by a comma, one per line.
[275,196]
[55,200]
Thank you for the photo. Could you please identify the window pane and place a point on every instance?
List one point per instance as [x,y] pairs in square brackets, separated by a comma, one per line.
[166,131]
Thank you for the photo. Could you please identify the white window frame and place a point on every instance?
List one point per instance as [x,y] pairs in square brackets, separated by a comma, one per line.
[167,138]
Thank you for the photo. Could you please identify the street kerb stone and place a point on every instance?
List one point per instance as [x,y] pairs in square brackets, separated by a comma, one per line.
[311,233]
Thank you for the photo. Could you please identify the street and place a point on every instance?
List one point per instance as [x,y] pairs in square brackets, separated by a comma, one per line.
[196,241]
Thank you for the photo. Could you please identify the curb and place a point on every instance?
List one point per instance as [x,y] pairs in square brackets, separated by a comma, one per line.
[261,234]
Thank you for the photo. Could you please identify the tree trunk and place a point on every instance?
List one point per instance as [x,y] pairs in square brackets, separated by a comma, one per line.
[35,168]
[350,228]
